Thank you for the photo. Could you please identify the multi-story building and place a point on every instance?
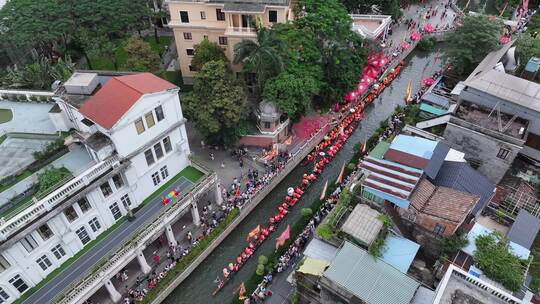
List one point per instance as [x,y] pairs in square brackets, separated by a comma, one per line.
[225,22]
[133,130]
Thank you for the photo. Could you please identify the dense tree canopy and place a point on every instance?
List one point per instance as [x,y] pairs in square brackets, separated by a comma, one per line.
[38,75]
[217,104]
[207,51]
[52,26]
[471,42]
[527,47]
[494,259]
[141,57]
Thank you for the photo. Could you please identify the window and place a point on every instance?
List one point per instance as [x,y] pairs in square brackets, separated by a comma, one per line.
[203,15]
[267,125]
[158,150]
[106,189]
[126,201]
[94,224]
[44,262]
[3,295]
[222,40]
[167,144]
[4,264]
[155,178]
[83,235]
[139,126]
[190,52]
[187,36]
[118,181]
[18,283]
[84,205]
[29,243]
[149,117]
[184,17]
[192,68]
[115,211]
[149,157]
[272,16]
[58,251]
[503,153]
[220,16]
[164,172]
[159,113]
[71,214]
[439,229]
[45,232]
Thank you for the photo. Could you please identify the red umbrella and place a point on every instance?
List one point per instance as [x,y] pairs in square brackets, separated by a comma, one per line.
[350,96]
[428,28]
[367,80]
[505,39]
[360,88]
[428,81]
[415,36]
[405,45]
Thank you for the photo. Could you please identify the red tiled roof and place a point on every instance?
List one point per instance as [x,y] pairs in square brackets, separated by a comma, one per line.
[118,95]
[442,202]
[406,159]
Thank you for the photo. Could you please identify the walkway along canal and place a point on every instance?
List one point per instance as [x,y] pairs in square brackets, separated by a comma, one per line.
[198,287]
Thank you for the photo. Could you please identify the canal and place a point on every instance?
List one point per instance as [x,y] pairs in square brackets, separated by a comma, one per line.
[198,287]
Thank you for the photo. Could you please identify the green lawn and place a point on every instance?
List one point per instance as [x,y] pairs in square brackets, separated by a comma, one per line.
[20,177]
[189,172]
[102,63]
[5,115]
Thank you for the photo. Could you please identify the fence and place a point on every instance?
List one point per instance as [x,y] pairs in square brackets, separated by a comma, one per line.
[26,96]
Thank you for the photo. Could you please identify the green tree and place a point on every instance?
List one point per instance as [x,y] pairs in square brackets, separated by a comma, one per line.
[291,92]
[38,75]
[471,42]
[261,56]
[141,57]
[494,259]
[217,104]
[51,177]
[527,47]
[451,244]
[207,51]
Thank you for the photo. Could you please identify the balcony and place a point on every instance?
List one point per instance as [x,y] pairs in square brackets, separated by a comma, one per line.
[54,198]
[241,31]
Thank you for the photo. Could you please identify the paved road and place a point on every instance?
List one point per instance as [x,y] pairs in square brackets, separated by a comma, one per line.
[123,233]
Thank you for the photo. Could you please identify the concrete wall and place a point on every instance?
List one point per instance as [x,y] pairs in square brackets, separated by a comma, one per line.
[481,150]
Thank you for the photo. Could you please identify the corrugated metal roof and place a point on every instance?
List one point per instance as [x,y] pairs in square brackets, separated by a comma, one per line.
[524,229]
[320,250]
[437,159]
[431,109]
[414,145]
[370,279]
[436,99]
[405,158]
[462,177]
[399,252]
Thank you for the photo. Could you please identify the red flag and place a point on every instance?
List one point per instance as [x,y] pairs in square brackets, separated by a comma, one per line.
[253,232]
[340,176]
[285,235]
[237,194]
[364,147]
[323,193]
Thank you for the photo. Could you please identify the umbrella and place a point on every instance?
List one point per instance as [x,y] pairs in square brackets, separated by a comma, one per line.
[428,28]
[405,45]
[361,87]
[505,39]
[367,80]
[349,96]
[428,81]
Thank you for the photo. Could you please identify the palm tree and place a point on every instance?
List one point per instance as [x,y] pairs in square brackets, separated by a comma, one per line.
[261,56]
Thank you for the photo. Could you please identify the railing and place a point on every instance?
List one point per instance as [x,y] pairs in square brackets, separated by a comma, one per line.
[240,30]
[26,95]
[53,199]
[112,264]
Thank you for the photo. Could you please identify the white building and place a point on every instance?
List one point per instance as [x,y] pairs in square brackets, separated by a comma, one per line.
[133,129]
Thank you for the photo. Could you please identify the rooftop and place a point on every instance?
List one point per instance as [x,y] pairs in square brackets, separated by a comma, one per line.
[268,2]
[524,229]
[479,115]
[399,252]
[486,78]
[479,230]
[462,177]
[370,279]
[458,286]
[370,26]
[442,202]
[363,224]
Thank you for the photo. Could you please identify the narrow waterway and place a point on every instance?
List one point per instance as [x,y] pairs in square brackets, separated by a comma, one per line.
[198,287]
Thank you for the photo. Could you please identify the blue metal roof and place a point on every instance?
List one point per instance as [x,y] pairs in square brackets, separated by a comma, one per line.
[437,159]
[479,230]
[524,229]
[436,99]
[462,177]
[533,65]
[417,146]
[399,252]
